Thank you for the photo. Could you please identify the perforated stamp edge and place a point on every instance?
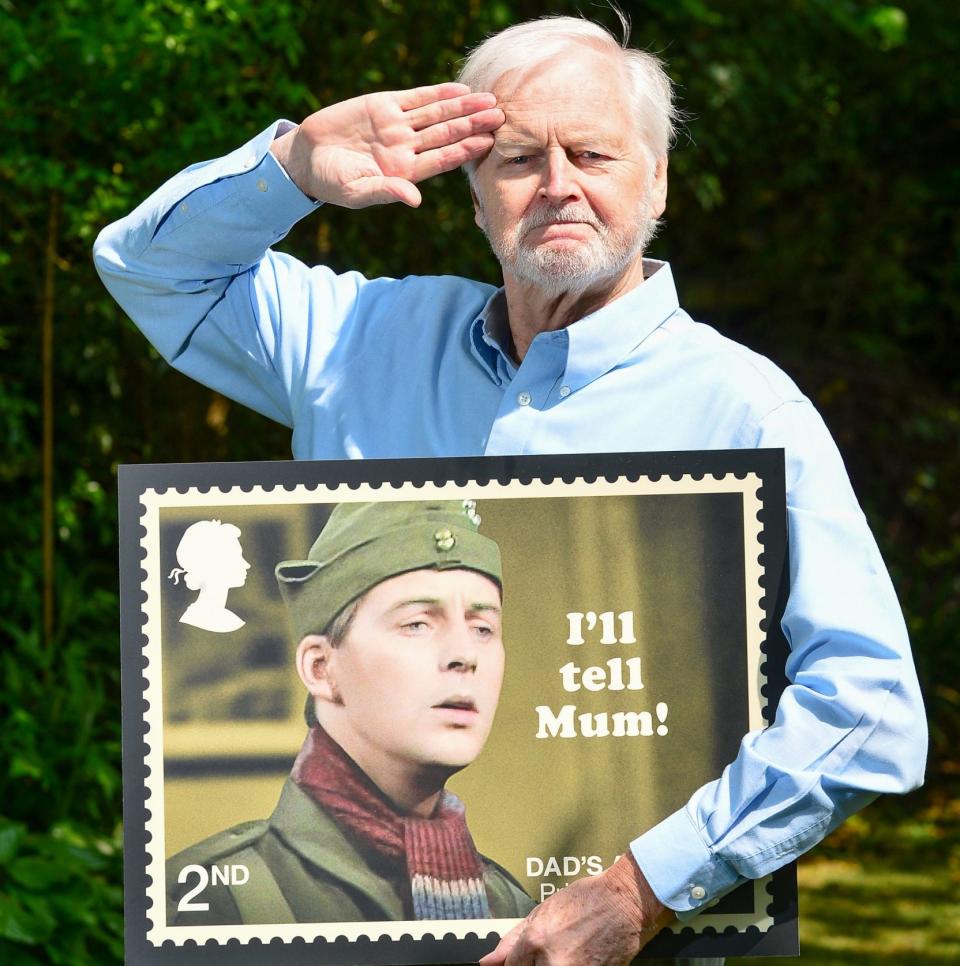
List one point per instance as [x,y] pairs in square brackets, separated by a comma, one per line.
[153,500]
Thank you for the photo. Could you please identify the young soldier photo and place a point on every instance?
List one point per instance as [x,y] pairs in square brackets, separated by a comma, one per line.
[397,611]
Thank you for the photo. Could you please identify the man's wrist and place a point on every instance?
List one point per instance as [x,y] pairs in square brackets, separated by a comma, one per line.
[281,148]
[631,892]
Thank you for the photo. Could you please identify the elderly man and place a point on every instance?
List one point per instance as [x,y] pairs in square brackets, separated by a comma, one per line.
[584,348]
[397,611]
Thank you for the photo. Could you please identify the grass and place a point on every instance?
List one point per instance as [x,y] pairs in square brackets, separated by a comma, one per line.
[885,887]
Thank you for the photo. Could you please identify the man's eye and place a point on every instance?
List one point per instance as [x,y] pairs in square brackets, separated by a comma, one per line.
[593,156]
[414,626]
[519,160]
[483,630]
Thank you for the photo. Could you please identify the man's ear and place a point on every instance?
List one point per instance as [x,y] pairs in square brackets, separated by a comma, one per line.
[315,660]
[658,193]
[477,208]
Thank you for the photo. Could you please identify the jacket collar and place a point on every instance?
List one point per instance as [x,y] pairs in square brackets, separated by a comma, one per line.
[312,834]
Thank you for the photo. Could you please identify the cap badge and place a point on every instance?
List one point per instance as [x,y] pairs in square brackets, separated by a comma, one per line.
[444,539]
[470,512]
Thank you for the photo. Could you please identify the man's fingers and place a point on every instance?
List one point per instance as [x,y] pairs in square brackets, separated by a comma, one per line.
[450,157]
[418,96]
[449,132]
[365,192]
[498,956]
[437,111]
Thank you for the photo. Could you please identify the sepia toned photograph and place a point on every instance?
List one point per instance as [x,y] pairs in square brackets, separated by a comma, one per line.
[354,692]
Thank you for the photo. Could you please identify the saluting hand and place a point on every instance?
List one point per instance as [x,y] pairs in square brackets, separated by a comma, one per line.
[602,920]
[374,149]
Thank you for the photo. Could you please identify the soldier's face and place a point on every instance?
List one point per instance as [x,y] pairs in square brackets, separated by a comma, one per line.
[419,673]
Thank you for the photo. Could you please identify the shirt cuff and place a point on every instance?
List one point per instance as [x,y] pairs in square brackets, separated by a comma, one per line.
[266,188]
[229,211]
[683,873]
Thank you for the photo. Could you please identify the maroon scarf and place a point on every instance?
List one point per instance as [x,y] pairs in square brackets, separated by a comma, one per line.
[436,855]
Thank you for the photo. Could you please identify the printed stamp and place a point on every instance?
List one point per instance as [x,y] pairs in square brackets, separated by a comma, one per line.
[375,711]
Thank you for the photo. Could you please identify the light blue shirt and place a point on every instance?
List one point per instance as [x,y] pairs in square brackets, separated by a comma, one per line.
[418,367]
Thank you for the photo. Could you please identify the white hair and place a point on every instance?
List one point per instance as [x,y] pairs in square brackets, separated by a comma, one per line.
[529,43]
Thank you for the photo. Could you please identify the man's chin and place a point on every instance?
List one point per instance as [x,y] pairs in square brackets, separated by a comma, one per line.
[453,756]
[561,279]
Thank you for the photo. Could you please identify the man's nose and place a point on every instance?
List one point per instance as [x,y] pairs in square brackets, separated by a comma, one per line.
[460,651]
[559,185]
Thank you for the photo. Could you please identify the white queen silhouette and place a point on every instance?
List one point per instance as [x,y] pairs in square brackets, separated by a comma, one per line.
[211,561]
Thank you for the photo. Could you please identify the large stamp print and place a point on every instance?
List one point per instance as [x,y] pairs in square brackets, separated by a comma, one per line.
[641,603]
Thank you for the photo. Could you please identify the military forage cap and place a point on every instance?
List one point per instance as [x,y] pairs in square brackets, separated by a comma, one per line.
[365,543]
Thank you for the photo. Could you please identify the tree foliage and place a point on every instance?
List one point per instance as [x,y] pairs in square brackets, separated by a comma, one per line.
[813,216]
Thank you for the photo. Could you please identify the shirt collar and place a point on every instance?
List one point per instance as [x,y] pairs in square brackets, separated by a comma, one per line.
[491,341]
[596,343]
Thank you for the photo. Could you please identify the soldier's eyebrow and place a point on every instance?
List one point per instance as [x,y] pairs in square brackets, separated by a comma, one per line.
[433,604]
[436,603]
[479,607]
[422,601]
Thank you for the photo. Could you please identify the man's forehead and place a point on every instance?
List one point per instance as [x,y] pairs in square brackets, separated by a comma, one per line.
[583,92]
[524,131]
[578,67]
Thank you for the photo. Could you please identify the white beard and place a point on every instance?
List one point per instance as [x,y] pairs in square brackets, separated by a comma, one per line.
[605,257]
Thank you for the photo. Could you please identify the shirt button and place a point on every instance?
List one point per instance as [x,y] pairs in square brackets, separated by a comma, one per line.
[184,207]
[261,185]
[564,392]
[524,398]
[250,161]
[697,893]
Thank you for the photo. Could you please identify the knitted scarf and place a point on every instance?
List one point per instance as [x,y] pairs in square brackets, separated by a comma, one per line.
[436,855]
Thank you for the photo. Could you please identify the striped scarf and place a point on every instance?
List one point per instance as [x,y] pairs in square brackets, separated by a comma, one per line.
[436,855]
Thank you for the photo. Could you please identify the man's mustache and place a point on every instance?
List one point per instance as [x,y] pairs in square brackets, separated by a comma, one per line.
[554,216]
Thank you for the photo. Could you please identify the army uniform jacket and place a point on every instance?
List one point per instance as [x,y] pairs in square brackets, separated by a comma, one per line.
[301,868]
